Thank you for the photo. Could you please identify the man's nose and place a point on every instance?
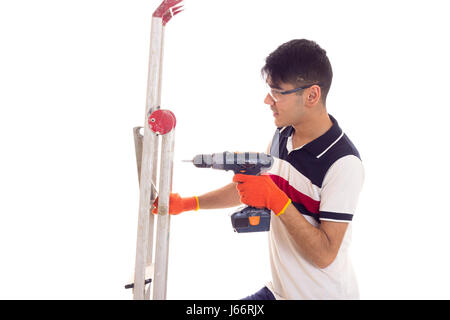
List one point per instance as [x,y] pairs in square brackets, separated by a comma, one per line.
[268,100]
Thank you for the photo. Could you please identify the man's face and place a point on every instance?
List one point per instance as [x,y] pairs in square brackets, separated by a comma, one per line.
[287,109]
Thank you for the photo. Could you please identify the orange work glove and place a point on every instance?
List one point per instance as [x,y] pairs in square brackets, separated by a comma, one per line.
[178,204]
[261,191]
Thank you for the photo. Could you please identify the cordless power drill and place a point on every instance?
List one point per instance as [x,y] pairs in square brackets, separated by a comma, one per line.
[247,219]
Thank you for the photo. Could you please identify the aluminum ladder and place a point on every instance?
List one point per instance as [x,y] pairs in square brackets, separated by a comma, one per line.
[158,123]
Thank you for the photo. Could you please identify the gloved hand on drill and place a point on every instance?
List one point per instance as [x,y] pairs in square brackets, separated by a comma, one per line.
[178,204]
[260,191]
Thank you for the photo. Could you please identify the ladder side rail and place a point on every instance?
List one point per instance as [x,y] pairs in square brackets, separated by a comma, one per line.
[163,224]
[144,242]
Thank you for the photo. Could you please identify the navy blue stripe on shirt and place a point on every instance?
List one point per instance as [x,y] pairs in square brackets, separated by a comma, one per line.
[335,216]
[301,208]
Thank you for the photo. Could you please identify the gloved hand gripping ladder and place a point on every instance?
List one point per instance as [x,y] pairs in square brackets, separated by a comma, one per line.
[157,122]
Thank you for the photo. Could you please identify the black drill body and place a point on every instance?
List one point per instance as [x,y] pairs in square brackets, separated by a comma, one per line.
[247,219]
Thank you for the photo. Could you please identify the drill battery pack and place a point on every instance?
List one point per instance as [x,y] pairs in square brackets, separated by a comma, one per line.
[251,219]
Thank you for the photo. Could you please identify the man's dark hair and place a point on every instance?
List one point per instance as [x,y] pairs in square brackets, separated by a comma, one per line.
[299,62]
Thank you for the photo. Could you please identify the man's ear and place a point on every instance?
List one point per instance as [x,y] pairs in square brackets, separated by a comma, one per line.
[313,95]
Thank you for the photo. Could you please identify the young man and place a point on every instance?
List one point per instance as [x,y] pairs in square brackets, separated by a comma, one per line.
[312,188]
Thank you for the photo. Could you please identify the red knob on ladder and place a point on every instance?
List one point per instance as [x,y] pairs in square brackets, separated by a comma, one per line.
[162,121]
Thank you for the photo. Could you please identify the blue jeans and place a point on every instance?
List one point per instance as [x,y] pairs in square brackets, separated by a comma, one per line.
[263,294]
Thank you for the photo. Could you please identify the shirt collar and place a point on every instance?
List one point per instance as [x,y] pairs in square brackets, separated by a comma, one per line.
[319,146]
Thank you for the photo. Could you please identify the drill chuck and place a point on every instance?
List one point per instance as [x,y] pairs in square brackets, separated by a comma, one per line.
[203,160]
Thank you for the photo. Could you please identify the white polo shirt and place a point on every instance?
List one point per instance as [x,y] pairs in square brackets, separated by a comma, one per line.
[323,179]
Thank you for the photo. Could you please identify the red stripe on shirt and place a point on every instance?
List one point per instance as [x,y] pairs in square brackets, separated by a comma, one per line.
[296,196]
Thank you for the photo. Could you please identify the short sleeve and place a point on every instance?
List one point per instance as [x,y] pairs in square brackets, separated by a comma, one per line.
[340,190]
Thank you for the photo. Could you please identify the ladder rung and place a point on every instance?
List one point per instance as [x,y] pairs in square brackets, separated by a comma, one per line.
[131,285]
[148,277]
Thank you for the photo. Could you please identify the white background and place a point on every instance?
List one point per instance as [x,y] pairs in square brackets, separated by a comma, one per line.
[73,77]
